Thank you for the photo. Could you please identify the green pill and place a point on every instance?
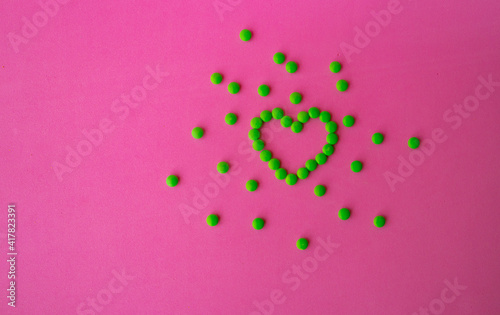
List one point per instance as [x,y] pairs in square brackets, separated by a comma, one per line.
[266,116]
[377,138]
[197,132]
[321,158]
[348,121]
[297,126]
[335,67]
[252,185]
[295,98]
[311,165]
[302,173]
[233,87]
[280,173]
[342,85]
[320,190]
[258,223]
[216,78]
[258,145]
[263,90]
[291,67]
[379,221]
[245,35]
[413,143]
[274,164]
[278,113]
[302,243]
[332,138]
[172,180]
[356,166]
[223,167]
[291,179]
[314,112]
[231,119]
[331,126]
[254,134]
[328,149]
[279,58]
[212,219]
[325,117]
[303,117]
[286,121]
[256,122]
[344,214]
[265,155]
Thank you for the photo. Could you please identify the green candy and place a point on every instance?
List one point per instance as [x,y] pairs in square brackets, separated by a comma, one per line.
[297,126]
[278,113]
[344,214]
[311,165]
[302,243]
[291,67]
[223,167]
[286,121]
[342,85]
[258,145]
[254,134]
[279,58]
[256,122]
[303,117]
[245,35]
[335,67]
[291,179]
[212,220]
[302,173]
[280,173]
[331,126]
[233,87]
[252,185]
[266,116]
[413,143]
[258,223]
[274,164]
[197,132]
[314,112]
[325,117]
[328,149]
[231,119]
[348,121]
[172,180]
[263,90]
[356,166]
[216,78]
[332,138]
[295,98]
[320,190]
[321,158]
[377,138]
[265,155]
[379,221]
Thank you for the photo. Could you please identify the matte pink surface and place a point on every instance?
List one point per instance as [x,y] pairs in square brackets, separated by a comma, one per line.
[113,211]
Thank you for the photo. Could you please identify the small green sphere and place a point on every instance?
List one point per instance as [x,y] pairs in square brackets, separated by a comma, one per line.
[279,58]
[280,173]
[295,98]
[328,149]
[223,167]
[278,113]
[314,112]
[325,117]
[266,116]
[379,221]
[377,138]
[263,90]
[413,142]
[216,78]
[291,67]
[256,122]
[297,126]
[258,223]
[286,121]
[172,180]
[303,117]
[344,214]
[348,121]
[245,35]
[233,87]
[274,164]
[197,132]
[331,126]
[342,85]
[266,155]
[302,243]
[291,179]
[231,119]
[332,138]
[212,220]
[321,158]
[258,145]
[320,190]
[335,67]
[252,185]
[253,134]
[356,166]
[311,165]
[302,173]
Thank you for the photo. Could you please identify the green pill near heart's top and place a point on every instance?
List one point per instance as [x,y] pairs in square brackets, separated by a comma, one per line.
[286,121]
[277,113]
[325,117]
[266,116]
[231,118]
[245,35]
[314,112]
[291,67]
[303,117]
[197,132]
[279,58]
[216,78]
[233,87]
[297,127]
[263,90]
[256,122]
[331,126]
[295,98]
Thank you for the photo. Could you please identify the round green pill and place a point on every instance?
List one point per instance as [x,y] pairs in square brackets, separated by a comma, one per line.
[256,122]
[291,67]
[348,121]
[320,190]
[216,78]
[331,126]
[297,126]
[231,119]
[314,112]
[286,121]
[277,113]
[302,173]
[266,116]
[342,85]
[379,221]
[291,179]
[328,149]
[356,166]
[344,214]
[258,223]
[212,219]
[295,98]
[233,87]
[223,167]
[279,58]
[265,155]
[303,117]
[321,158]
[274,164]
[280,173]
[252,185]
[254,134]
[377,138]
[197,132]
[258,145]
[335,67]
[325,117]
[172,180]
[332,138]
[413,142]
[245,35]
[311,165]
[302,243]
[263,90]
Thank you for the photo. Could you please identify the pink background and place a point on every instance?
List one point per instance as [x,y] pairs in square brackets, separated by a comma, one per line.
[113,212]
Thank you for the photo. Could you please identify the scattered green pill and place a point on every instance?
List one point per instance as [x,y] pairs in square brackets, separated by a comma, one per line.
[253,134]
[286,121]
[277,113]
[263,90]
[331,126]
[197,132]
[252,185]
[302,173]
[356,166]
[379,221]
[172,180]
[212,219]
[348,121]
[258,223]
[231,119]
[223,167]
[342,85]
[279,58]
[258,145]
[233,87]
[344,214]
[320,190]
[216,78]
[295,98]
[413,142]
[291,179]
[311,165]
[377,138]
[297,126]
[314,112]
[325,117]
[280,173]
[302,243]
[291,67]
[321,158]
[335,67]
[266,155]
[266,116]
[256,122]
[328,149]
[274,164]
[245,35]
[303,117]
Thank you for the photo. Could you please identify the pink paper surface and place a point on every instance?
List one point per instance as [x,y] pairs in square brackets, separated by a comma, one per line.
[111,213]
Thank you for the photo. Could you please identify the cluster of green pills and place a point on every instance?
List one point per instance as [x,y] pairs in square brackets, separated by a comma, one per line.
[341,85]
[213,220]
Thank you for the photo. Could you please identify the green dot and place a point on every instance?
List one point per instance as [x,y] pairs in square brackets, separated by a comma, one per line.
[378,138]
[277,113]
[286,121]
[348,121]
[266,116]
[335,67]
[291,66]
[291,179]
[197,132]
[280,173]
[263,90]
[344,214]
[331,126]
[245,35]
[212,219]
[413,143]
[328,149]
[320,190]
[258,223]
[321,158]
[274,164]
[254,134]
[252,185]
[311,165]
[265,155]
[233,87]
[303,117]
[295,98]
[314,112]
[325,117]
[302,243]
[332,138]
[297,126]
[231,119]
[216,78]
[223,167]
[279,58]
[356,166]
[379,221]
[172,180]
[258,145]
[256,122]
[302,173]
[342,85]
